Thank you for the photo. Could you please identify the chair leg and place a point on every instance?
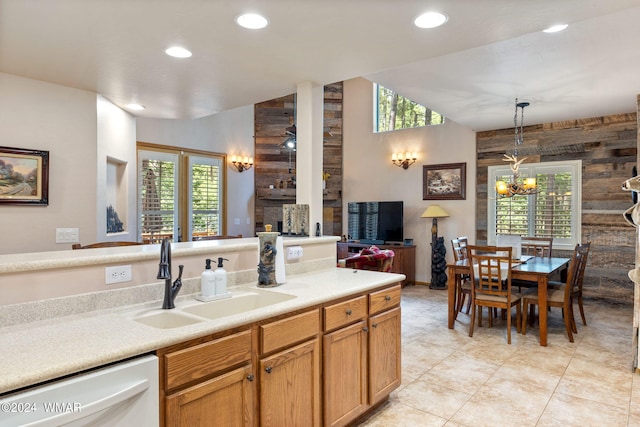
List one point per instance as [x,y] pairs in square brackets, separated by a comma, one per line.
[459,303]
[509,327]
[473,319]
[468,305]
[584,320]
[518,318]
[566,313]
[523,330]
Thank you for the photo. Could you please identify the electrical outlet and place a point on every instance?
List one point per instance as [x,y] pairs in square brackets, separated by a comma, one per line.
[294,252]
[118,274]
[67,235]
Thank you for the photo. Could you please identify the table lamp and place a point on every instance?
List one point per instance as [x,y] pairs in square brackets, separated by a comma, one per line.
[438,249]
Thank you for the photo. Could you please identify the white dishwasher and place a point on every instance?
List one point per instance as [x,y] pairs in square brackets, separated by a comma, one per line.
[123,394]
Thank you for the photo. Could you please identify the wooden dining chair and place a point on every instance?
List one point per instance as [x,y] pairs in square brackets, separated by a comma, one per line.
[463,290]
[105,245]
[537,246]
[491,284]
[563,296]
[534,246]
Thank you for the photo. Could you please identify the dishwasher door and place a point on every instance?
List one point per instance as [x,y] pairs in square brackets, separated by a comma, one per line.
[124,394]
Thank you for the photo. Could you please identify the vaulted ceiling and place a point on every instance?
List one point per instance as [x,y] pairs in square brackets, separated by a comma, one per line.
[470,69]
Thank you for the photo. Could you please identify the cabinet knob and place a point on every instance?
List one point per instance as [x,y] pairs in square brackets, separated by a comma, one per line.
[374,325]
[348,312]
[387,298]
[268,369]
[250,377]
[365,329]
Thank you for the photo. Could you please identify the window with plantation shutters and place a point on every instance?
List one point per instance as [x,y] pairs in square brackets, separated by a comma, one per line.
[180,194]
[554,211]
[206,196]
[157,195]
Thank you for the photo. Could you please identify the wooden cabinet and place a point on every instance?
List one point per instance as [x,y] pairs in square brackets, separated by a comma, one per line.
[384,354]
[208,382]
[362,356]
[290,378]
[225,400]
[290,386]
[404,259]
[328,364]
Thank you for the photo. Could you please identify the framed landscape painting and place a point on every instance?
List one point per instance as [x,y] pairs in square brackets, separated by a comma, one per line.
[444,182]
[24,176]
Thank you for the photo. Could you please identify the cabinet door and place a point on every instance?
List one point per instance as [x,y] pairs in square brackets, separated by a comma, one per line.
[290,387]
[345,374]
[384,354]
[226,400]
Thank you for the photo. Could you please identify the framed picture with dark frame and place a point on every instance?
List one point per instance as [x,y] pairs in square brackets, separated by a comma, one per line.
[444,182]
[24,176]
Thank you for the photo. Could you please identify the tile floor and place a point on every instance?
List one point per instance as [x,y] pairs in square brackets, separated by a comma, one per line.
[450,379]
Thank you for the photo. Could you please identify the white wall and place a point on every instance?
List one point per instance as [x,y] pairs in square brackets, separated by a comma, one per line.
[369,174]
[44,116]
[230,133]
[116,145]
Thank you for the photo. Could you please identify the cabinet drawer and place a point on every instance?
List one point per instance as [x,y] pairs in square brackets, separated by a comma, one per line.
[384,299]
[289,331]
[201,360]
[346,312]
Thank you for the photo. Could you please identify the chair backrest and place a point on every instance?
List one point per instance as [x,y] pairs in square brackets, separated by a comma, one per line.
[577,265]
[105,245]
[218,237]
[537,246]
[491,271]
[459,245]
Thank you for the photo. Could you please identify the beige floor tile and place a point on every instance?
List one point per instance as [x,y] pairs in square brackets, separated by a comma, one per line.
[432,398]
[447,375]
[564,410]
[597,382]
[419,356]
[501,402]
[461,372]
[400,415]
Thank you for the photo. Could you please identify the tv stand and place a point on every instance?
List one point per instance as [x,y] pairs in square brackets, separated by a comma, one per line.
[404,260]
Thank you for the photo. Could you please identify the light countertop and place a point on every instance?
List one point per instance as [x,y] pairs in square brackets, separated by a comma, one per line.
[45,350]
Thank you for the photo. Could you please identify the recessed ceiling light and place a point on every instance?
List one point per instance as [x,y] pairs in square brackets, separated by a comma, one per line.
[555,28]
[430,20]
[178,52]
[135,107]
[252,21]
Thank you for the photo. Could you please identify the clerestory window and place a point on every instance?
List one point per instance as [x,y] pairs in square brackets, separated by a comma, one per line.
[393,111]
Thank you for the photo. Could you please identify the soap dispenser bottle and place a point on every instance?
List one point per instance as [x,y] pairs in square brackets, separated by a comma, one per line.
[221,277]
[207,281]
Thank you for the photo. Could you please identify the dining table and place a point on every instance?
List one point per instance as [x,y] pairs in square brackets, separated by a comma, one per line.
[534,269]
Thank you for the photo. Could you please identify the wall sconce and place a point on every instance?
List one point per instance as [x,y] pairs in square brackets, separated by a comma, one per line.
[240,164]
[404,160]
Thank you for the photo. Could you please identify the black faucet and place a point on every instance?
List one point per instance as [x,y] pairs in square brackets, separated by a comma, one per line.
[164,272]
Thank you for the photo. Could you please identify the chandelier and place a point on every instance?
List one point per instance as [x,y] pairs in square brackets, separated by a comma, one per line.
[517,186]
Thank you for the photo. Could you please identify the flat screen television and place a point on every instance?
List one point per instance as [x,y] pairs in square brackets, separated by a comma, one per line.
[376,223]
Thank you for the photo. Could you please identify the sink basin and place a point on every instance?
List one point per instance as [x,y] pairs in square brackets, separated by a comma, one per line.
[242,300]
[166,319]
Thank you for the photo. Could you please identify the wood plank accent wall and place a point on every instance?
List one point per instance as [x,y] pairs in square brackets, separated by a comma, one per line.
[273,164]
[607,147]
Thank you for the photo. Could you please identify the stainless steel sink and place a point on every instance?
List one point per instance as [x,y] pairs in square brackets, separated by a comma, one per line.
[166,319]
[241,301]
